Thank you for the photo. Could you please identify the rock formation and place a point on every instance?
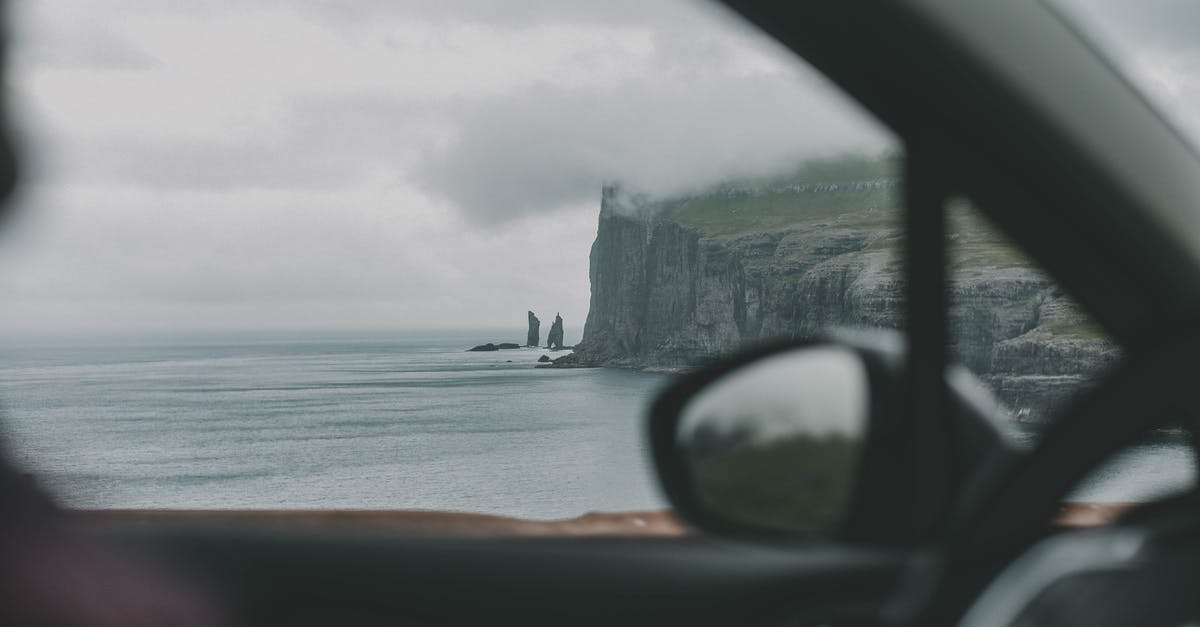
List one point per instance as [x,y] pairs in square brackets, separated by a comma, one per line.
[534,336]
[554,339]
[680,281]
[489,347]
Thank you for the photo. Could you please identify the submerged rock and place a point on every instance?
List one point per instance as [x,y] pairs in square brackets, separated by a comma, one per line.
[508,346]
[544,359]
[534,336]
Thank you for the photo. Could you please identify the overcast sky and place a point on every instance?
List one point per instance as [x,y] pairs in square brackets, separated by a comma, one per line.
[236,164]
[233,164]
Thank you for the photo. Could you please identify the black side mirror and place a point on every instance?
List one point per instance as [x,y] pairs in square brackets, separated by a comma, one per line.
[804,441]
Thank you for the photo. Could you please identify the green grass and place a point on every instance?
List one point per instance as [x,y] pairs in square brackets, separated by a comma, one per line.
[839,169]
[727,209]
[718,216]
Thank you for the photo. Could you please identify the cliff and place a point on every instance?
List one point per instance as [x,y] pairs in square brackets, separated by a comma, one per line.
[679,281]
[554,339]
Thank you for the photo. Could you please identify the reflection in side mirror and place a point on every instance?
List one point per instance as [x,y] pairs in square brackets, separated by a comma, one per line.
[775,444]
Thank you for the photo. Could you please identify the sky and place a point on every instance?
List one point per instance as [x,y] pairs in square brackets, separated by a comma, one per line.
[392,164]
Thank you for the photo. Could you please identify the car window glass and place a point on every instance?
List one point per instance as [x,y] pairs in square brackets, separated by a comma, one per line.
[1014,327]
[258,242]
[1037,350]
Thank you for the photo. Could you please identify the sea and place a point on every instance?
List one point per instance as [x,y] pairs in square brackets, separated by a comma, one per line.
[388,420]
[380,421]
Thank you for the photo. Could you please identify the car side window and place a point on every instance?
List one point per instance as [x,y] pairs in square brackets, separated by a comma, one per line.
[1014,327]
[1037,350]
[412,256]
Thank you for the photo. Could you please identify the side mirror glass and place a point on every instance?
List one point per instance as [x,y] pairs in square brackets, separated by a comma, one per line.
[771,444]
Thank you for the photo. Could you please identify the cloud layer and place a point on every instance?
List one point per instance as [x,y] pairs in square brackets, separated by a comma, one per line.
[394,163]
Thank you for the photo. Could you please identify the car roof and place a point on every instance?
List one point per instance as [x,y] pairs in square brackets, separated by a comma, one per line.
[1044,135]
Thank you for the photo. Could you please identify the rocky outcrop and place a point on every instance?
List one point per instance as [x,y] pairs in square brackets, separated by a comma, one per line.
[534,335]
[489,347]
[681,281]
[554,339]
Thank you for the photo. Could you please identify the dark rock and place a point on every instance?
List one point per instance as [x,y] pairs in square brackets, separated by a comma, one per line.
[566,361]
[484,348]
[508,346]
[554,340]
[534,337]
[549,363]
[544,359]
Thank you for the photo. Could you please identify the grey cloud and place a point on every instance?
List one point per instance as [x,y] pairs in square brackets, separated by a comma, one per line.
[691,114]
[83,47]
[205,165]
[518,12]
[323,143]
[546,147]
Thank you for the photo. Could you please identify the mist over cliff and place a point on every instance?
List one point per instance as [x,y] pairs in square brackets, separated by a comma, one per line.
[679,281]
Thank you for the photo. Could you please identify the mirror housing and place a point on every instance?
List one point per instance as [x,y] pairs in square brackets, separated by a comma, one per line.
[806,440]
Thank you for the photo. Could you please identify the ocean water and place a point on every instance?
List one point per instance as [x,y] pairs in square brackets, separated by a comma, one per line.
[386,422]
[382,422]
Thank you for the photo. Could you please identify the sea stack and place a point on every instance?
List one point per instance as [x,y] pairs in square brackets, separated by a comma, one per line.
[534,338]
[555,338]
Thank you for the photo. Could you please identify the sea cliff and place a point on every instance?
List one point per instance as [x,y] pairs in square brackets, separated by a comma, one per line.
[679,281]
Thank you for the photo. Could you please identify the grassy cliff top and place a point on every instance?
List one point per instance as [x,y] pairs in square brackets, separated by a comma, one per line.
[855,190]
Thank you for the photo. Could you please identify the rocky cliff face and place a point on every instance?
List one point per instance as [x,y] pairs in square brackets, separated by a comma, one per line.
[676,282]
